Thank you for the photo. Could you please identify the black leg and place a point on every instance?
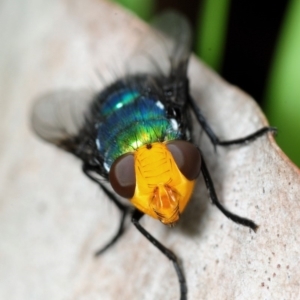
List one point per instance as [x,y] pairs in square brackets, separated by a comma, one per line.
[136,216]
[214,198]
[124,211]
[249,138]
[123,208]
[215,140]
[86,170]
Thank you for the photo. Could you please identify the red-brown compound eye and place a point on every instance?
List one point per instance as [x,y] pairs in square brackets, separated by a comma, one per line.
[187,157]
[122,176]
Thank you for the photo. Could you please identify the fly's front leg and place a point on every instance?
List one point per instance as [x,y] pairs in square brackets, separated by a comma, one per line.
[210,186]
[215,140]
[136,216]
[123,208]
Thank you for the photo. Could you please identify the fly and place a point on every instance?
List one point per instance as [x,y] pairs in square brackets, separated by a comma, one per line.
[136,134]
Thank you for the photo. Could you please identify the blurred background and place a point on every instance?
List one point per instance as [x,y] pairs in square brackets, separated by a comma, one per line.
[252,44]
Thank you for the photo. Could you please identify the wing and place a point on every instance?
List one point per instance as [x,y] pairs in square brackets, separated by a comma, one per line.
[165,50]
[65,118]
[177,29]
[59,117]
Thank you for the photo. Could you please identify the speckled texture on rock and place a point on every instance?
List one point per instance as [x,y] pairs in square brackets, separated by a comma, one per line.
[52,218]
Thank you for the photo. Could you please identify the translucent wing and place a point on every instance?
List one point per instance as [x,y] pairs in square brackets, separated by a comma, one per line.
[166,49]
[62,117]
[177,29]
[59,116]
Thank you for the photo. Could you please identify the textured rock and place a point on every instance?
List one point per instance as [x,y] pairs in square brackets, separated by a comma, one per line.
[52,218]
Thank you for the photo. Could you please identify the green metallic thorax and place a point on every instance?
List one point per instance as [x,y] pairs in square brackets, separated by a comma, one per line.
[130,121]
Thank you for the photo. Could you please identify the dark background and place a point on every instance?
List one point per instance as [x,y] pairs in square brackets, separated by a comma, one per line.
[252,34]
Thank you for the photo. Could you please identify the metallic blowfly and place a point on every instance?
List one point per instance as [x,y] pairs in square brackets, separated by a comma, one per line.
[137,135]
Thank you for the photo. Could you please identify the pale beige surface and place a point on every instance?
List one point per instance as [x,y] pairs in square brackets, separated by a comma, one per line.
[52,218]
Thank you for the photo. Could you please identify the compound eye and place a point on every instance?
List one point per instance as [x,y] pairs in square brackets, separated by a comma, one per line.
[187,157]
[122,176]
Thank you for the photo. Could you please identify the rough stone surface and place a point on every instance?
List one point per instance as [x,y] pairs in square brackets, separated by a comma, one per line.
[52,218]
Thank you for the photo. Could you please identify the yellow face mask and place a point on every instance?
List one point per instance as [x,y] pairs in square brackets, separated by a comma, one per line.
[159,178]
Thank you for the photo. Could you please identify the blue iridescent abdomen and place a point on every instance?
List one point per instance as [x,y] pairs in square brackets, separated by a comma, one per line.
[131,120]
